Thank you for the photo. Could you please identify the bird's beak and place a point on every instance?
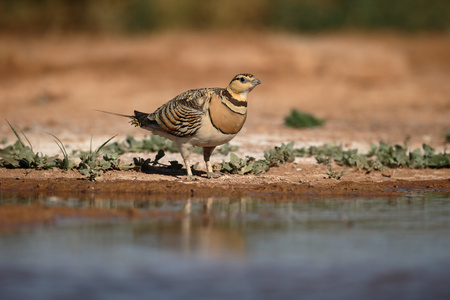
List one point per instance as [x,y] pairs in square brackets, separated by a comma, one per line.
[256,82]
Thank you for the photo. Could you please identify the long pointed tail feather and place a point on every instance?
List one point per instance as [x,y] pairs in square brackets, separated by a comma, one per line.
[115,114]
[135,120]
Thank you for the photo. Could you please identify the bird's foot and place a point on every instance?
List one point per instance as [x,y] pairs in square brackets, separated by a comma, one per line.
[213,175]
[191,178]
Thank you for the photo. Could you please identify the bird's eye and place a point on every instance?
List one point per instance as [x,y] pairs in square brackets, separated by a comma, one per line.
[242,79]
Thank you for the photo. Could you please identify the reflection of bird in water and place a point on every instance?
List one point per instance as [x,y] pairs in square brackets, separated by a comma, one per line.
[206,117]
[198,232]
[211,238]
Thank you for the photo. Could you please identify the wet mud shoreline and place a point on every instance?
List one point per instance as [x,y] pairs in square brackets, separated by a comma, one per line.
[167,190]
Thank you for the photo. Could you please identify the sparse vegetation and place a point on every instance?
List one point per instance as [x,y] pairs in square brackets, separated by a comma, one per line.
[280,155]
[66,163]
[334,174]
[20,155]
[383,155]
[247,165]
[107,157]
[298,119]
[92,165]
[379,157]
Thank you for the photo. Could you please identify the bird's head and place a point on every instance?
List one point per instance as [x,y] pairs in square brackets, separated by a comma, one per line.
[241,85]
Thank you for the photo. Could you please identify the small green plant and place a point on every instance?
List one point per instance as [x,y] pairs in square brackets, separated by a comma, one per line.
[92,166]
[20,155]
[247,165]
[390,156]
[65,163]
[447,137]
[280,155]
[298,119]
[334,174]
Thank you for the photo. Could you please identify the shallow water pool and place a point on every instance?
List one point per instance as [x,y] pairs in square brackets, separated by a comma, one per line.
[248,248]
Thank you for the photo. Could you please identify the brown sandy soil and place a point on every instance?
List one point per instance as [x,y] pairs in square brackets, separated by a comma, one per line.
[369,88]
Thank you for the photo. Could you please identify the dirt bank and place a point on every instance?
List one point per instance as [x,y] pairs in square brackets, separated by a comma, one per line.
[302,181]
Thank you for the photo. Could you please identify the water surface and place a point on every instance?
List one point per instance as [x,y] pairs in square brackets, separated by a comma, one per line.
[248,248]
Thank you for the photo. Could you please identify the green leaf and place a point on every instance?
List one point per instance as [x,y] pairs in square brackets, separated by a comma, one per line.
[16,134]
[439,161]
[234,159]
[428,150]
[299,119]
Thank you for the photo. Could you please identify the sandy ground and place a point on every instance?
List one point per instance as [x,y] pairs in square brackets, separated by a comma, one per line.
[368,87]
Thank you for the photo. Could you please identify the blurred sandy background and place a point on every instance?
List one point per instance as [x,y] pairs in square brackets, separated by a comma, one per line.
[375,70]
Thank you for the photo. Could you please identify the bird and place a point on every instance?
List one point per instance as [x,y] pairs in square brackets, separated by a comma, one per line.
[203,117]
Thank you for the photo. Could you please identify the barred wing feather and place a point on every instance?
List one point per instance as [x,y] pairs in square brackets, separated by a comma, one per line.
[182,116]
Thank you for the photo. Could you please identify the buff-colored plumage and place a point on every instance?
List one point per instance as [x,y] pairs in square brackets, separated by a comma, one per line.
[206,117]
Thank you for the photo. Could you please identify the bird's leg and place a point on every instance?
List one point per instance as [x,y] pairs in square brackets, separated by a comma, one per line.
[207,151]
[185,151]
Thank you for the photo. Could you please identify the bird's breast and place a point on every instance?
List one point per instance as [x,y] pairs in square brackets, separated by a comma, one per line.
[227,117]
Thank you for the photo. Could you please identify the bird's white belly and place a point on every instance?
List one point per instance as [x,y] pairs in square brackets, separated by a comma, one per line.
[209,136]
